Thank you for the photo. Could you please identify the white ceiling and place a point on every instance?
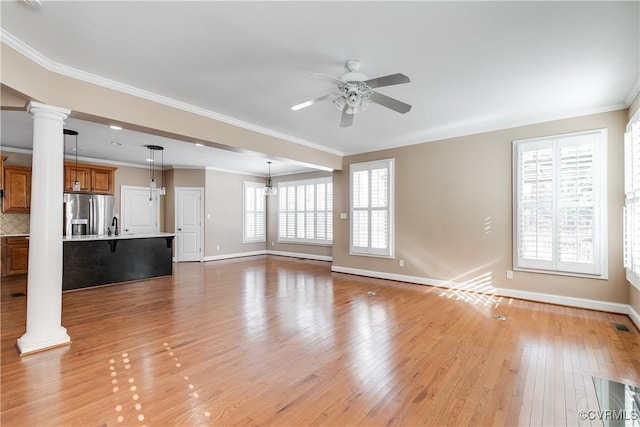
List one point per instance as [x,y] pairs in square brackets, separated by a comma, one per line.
[474,66]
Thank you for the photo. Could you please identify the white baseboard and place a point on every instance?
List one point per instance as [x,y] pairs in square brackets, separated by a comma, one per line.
[301,255]
[612,307]
[235,255]
[510,293]
[635,317]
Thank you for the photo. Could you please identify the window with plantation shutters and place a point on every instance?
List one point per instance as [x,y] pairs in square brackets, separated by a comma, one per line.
[372,208]
[632,201]
[254,212]
[560,204]
[306,211]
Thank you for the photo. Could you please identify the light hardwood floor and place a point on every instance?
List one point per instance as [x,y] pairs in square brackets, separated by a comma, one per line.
[280,341]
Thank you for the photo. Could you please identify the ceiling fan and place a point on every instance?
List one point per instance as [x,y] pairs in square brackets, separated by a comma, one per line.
[355,92]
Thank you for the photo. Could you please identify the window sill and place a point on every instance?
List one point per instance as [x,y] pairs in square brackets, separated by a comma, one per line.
[563,273]
[301,242]
[371,255]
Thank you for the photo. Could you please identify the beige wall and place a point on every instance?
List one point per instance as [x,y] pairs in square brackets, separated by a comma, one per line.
[634,299]
[448,192]
[224,213]
[16,159]
[272,221]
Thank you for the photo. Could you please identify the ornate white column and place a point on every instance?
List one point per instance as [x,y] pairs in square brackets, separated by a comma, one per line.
[44,283]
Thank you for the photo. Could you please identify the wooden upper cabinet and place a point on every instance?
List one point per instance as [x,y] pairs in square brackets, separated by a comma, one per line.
[93,179]
[2,159]
[83,175]
[17,189]
[102,180]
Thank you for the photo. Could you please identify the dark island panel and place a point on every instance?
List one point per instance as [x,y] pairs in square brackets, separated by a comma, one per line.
[99,262]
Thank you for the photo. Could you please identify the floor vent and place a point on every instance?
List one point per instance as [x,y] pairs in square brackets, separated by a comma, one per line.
[621,327]
[18,294]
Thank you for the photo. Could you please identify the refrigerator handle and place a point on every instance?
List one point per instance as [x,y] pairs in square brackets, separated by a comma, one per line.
[92,214]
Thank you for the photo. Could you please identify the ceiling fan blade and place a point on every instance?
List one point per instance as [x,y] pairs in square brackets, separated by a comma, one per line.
[391,79]
[391,103]
[347,119]
[308,103]
[329,78]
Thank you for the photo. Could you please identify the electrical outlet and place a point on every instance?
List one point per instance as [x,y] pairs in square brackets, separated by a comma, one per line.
[217,247]
[509,274]
[273,243]
[401,263]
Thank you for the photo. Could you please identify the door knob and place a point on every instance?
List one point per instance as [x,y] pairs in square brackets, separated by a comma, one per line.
[179,229]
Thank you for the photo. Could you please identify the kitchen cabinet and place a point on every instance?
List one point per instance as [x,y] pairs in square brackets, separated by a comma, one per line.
[102,180]
[81,173]
[92,178]
[2,159]
[17,189]
[15,255]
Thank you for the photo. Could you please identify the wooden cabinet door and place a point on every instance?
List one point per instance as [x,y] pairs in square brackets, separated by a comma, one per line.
[2,159]
[17,189]
[16,258]
[84,177]
[102,180]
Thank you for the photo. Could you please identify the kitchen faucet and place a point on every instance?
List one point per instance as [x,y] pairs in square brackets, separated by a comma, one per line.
[115,222]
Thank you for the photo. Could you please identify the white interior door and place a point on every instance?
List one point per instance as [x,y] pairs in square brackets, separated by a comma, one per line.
[189,224]
[139,216]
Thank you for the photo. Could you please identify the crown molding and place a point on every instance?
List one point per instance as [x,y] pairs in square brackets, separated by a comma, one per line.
[35,56]
[492,127]
[635,91]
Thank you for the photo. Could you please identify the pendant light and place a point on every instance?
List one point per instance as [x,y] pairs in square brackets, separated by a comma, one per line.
[269,189]
[152,170]
[76,183]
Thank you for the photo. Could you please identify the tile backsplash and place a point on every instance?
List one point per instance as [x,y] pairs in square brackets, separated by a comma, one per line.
[14,223]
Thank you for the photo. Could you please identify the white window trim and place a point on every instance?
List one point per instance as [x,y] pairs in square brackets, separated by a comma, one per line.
[301,241]
[257,186]
[603,235]
[633,277]
[371,252]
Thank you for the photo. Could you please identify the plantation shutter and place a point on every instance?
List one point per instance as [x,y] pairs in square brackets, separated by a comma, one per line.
[559,203]
[371,208]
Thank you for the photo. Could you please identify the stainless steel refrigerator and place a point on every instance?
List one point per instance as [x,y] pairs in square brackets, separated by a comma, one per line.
[88,213]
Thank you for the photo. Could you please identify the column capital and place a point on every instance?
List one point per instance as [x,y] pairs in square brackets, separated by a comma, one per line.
[38,108]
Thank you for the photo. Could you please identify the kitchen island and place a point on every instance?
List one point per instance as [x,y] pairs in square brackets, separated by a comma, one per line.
[92,260]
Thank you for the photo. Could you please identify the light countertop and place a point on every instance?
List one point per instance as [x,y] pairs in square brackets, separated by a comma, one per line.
[14,235]
[114,237]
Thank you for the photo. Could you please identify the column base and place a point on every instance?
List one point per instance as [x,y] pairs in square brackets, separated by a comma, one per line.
[27,345]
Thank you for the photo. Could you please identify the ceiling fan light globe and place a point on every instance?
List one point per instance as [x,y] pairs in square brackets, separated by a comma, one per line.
[353,98]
